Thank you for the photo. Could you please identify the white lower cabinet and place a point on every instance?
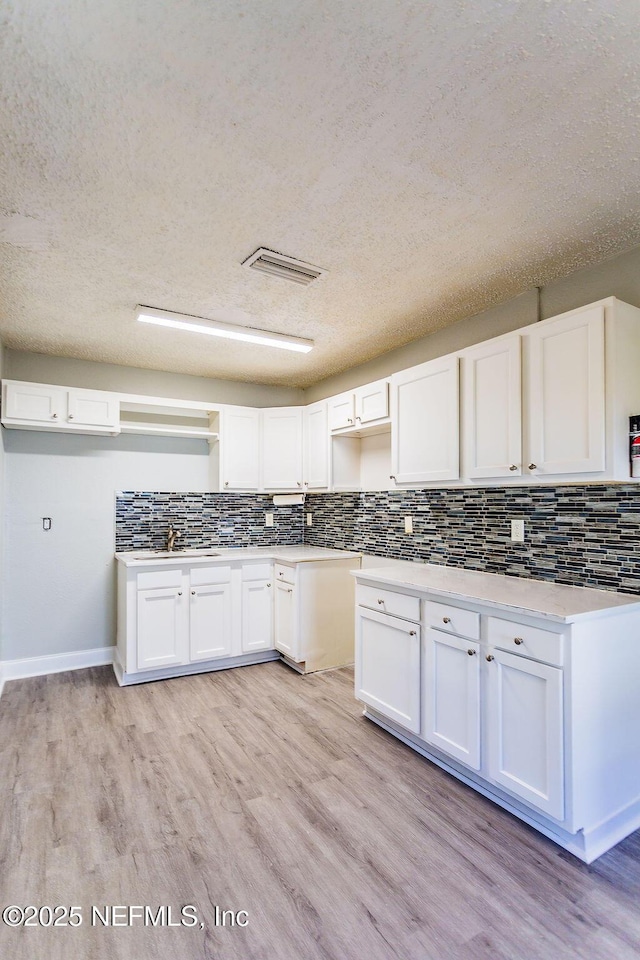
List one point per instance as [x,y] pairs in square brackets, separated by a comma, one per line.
[286,620]
[388,666]
[162,627]
[257,615]
[451,703]
[538,711]
[210,621]
[525,730]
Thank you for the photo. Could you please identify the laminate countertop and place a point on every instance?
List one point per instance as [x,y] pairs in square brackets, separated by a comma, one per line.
[298,553]
[540,598]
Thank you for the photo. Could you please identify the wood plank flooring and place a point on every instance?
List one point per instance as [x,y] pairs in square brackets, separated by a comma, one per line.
[256,789]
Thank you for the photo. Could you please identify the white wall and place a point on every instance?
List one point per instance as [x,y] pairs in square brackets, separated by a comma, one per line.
[59,586]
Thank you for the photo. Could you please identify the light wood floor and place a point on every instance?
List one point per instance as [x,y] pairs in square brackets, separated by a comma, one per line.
[257,789]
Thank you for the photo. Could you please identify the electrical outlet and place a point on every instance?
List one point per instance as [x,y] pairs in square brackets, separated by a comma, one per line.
[309,519]
[517,531]
[408,524]
[268,519]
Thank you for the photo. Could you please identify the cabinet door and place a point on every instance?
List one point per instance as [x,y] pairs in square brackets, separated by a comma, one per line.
[282,448]
[316,447]
[565,396]
[210,626]
[162,628]
[525,736]
[36,402]
[388,666]
[425,422]
[341,411]
[257,615]
[492,409]
[93,408]
[287,629]
[451,696]
[372,401]
[240,448]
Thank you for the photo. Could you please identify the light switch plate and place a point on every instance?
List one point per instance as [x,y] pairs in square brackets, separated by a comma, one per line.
[408,524]
[268,519]
[309,519]
[517,531]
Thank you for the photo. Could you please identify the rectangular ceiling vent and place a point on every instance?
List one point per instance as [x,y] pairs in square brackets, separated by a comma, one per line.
[277,265]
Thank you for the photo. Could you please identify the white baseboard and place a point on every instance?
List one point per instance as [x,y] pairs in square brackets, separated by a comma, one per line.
[56,663]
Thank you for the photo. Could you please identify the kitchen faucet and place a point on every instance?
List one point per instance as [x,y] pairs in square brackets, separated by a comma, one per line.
[171,537]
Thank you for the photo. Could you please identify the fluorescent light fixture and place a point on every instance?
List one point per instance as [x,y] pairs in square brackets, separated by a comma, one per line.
[216,328]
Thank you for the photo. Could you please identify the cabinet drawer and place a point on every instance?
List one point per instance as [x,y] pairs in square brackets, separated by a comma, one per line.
[385,601]
[527,641]
[212,574]
[151,579]
[283,571]
[449,619]
[257,571]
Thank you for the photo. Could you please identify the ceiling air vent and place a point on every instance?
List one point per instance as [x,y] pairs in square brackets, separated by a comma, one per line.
[276,265]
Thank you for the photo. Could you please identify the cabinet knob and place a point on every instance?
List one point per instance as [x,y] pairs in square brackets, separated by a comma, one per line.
[471,653]
[70,417]
[349,420]
[359,418]
[412,633]
[54,416]
[489,657]
[518,641]
[290,590]
[513,467]
[179,593]
[533,466]
[446,619]
[392,478]
[381,601]
[299,483]
[193,593]
[268,584]
[226,483]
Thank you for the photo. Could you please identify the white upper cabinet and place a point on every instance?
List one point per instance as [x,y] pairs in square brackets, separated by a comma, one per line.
[363,405]
[282,448]
[316,446]
[492,409]
[240,448]
[425,422]
[41,406]
[565,398]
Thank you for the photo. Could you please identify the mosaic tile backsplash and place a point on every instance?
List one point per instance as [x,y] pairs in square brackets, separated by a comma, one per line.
[204,520]
[587,535]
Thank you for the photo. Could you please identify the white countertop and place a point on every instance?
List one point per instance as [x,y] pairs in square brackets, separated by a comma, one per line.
[298,553]
[554,601]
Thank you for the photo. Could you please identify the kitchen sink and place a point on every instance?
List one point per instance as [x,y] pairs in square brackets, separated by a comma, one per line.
[170,554]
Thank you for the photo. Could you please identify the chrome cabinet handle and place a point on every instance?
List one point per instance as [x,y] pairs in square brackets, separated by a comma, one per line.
[471,653]
[226,483]
[518,641]
[349,420]
[513,467]
[392,478]
[446,619]
[179,593]
[193,593]
[54,416]
[290,590]
[533,466]
[381,601]
[489,657]
[268,584]
[70,417]
[412,633]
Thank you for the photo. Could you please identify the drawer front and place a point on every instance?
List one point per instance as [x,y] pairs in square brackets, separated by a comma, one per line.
[449,619]
[213,574]
[284,571]
[527,641]
[257,571]
[385,601]
[151,579]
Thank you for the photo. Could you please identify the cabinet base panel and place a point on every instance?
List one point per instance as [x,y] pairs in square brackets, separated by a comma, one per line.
[306,666]
[586,845]
[188,669]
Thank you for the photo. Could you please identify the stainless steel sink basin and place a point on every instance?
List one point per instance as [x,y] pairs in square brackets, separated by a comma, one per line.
[173,554]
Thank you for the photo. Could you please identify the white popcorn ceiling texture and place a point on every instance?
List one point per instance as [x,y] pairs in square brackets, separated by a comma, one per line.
[435,157]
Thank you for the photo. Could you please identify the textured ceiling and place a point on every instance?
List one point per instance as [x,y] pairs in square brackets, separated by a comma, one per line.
[435,157]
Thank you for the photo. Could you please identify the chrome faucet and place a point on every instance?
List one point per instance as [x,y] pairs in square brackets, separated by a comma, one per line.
[171,537]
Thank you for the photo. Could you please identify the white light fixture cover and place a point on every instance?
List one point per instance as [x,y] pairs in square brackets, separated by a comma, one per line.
[216,328]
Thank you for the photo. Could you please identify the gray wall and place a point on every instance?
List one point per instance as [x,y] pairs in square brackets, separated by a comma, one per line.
[40,368]
[619,277]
